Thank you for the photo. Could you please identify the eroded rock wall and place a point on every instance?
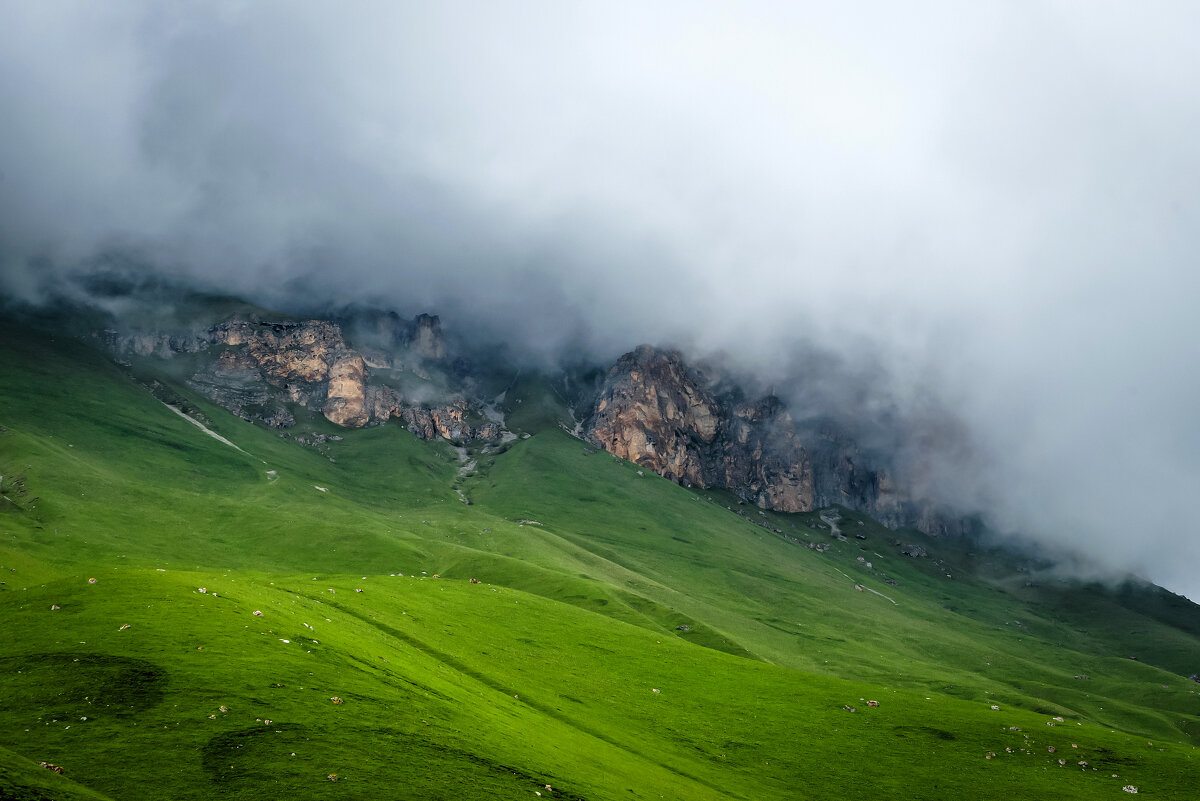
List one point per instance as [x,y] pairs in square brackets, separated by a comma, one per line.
[657,411]
[258,370]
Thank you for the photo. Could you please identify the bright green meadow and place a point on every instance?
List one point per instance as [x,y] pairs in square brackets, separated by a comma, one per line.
[627,638]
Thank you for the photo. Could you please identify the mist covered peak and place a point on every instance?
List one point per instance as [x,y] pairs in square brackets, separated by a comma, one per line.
[993,215]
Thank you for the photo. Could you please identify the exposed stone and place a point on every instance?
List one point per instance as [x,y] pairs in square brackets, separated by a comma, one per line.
[346,396]
[278,416]
[655,410]
[259,369]
[427,337]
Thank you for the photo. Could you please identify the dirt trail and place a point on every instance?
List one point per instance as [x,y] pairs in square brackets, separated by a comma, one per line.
[830,517]
[205,429]
[857,585]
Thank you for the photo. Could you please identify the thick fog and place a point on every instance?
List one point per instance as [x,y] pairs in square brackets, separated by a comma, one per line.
[992,208]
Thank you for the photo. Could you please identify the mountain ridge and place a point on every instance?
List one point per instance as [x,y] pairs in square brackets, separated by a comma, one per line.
[650,406]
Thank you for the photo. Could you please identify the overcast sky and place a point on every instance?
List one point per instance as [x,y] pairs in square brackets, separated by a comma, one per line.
[998,201]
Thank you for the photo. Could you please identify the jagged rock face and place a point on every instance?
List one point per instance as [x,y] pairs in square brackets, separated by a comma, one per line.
[655,410]
[261,367]
[308,363]
[427,337]
[763,462]
[658,412]
[448,422]
[287,352]
[346,396]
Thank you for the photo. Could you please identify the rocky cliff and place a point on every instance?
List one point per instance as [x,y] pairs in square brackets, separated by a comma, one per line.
[651,407]
[657,411]
[262,370]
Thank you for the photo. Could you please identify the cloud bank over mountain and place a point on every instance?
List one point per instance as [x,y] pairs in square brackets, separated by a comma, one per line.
[991,209]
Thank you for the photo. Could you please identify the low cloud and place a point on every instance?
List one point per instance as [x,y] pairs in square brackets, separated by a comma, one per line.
[996,207]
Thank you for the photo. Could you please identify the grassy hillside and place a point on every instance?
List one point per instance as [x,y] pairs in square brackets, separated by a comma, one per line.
[627,638]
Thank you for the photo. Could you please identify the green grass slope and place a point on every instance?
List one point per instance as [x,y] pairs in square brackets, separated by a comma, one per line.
[626,638]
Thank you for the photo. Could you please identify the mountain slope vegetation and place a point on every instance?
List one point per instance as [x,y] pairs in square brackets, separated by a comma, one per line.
[197,607]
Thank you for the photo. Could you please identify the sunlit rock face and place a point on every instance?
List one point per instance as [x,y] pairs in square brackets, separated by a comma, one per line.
[657,411]
[654,411]
[345,402]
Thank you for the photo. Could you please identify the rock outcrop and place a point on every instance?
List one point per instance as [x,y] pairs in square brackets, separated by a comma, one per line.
[654,411]
[652,408]
[345,402]
[262,370]
[657,411]
[427,337]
